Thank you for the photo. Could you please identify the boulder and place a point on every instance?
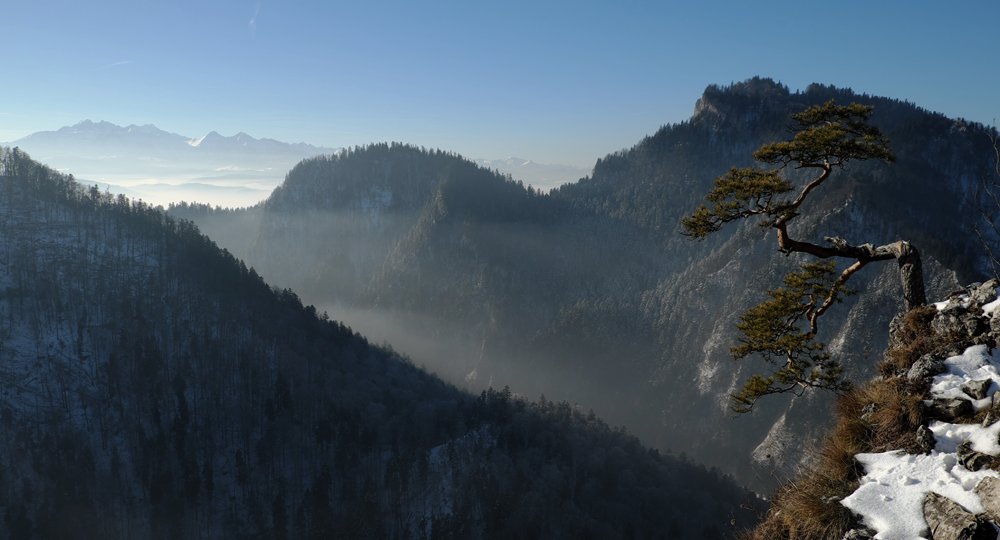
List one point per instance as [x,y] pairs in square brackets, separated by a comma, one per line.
[926,367]
[955,348]
[988,490]
[958,322]
[984,339]
[860,533]
[925,438]
[949,409]
[947,520]
[994,331]
[977,389]
[975,324]
[983,294]
[970,459]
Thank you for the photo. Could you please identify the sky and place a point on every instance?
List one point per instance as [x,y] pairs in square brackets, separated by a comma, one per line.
[554,82]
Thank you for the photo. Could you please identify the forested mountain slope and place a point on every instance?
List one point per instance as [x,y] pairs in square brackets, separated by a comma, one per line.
[923,198]
[151,386]
[590,293]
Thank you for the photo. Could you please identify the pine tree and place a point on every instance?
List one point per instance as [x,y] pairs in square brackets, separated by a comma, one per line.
[826,137]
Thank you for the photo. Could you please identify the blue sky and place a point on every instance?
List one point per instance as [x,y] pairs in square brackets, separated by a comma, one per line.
[556,82]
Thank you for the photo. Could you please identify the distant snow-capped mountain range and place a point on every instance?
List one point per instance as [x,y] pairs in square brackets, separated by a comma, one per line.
[151,138]
[160,167]
[540,175]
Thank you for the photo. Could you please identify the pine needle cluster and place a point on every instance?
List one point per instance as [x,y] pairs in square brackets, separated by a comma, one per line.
[777,331]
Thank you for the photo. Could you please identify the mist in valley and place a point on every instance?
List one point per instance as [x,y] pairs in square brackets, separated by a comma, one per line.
[589,294]
[237,171]
[155,387]
[536,309]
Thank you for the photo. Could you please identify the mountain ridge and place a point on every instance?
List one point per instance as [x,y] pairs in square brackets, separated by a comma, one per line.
[141,160]
[89,130]
[130,157]
[153,386]
[588,293]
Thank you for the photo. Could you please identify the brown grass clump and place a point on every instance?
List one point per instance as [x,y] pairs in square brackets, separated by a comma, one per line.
[915,339]
[898,412]
[808,509]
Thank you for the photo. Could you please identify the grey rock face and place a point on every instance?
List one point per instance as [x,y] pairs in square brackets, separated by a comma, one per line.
[988,490]
[949,409]
[860,533]
[895,327]
[980,295]
[978,389]
[957,348]
[994,331]
[971,459]
[957,321]
[926,367]
[947,520]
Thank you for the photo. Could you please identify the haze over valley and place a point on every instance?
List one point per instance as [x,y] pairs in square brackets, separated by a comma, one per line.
[144,162]
[590,293]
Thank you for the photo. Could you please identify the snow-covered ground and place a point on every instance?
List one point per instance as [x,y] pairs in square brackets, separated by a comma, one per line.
[892,492]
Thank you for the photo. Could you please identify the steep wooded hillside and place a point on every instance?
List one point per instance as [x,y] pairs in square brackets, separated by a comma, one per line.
[152,386]
[590,294]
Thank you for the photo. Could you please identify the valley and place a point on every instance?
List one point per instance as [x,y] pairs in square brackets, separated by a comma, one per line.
[152,386]
[589,293]
[400,342]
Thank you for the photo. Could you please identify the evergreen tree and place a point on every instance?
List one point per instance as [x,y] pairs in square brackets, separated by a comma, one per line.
[826,137]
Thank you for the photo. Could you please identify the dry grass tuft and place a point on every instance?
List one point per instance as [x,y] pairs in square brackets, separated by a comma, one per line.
[899,411]
[808,509]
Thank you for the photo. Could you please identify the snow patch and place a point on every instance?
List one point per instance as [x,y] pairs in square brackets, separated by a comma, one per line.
[891,495]
[949,436]
[990,308]
[975,364]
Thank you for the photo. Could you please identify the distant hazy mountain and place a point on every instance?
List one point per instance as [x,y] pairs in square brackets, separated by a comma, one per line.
[150,140]
[590,294]
[539,175]
[162,167]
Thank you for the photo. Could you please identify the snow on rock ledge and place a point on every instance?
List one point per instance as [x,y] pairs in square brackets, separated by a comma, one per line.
[892,494]
[895,495]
